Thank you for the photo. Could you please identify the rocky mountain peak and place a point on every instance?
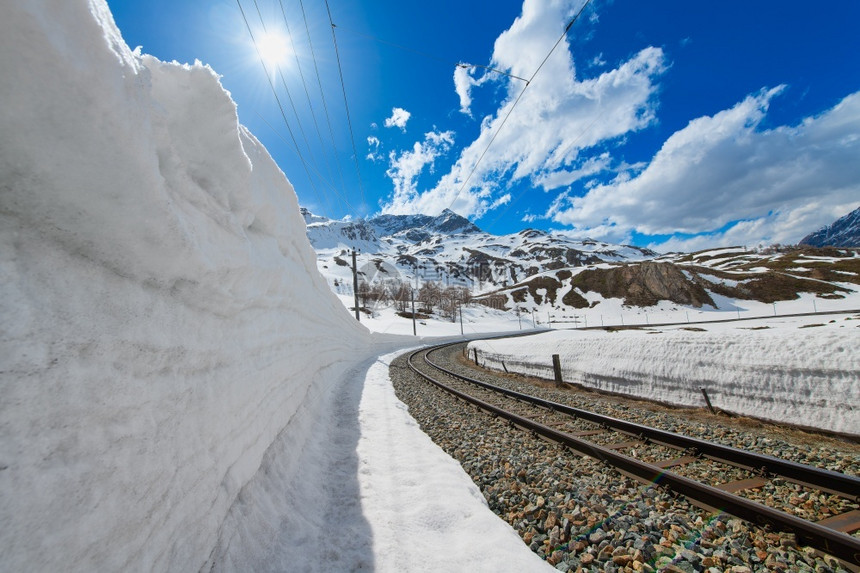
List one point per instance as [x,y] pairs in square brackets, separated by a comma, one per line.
[844,232]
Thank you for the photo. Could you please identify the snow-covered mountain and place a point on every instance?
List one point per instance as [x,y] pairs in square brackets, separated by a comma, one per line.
[450,249]
[844,232]
[553,275]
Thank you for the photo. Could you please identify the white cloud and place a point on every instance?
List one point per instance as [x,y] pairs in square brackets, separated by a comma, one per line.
[464,81]
[723,178]
[503,200]
[399,117]
[463,85]
[597,61]
[404,169]
[373,143]
[562,177]
[557,117]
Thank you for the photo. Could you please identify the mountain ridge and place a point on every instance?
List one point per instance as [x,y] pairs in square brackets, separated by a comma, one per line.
[545,271]
[844,232]
[452,249]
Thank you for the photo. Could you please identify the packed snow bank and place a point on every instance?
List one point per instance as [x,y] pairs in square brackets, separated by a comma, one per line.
[162,317]
[803,371]
[370,492]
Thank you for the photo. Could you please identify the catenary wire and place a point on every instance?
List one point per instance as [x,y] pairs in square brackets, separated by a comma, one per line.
[345,103]
[519,97]
[332,187]
[568,148]
[322,96]
[307,93]
[293,106]
[278,100]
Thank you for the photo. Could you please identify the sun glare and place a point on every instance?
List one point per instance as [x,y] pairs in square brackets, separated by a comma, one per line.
[274,48]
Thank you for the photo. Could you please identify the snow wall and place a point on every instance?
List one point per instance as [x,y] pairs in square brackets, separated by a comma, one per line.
[807,377]
[162,320]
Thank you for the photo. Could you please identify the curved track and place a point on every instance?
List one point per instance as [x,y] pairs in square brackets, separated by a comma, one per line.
[825,535]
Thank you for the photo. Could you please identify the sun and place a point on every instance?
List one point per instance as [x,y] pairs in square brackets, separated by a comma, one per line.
[274,49]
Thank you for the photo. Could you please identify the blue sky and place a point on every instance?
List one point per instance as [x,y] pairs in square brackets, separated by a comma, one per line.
[672,124]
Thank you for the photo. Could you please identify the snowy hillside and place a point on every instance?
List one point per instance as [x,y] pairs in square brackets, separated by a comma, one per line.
[162,318]
[555,280]
[803,371]
[844,232]
[450,250]
[709,285]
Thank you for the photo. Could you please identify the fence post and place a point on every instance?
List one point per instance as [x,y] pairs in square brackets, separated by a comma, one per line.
[708,401]
[556,368]
[476,356]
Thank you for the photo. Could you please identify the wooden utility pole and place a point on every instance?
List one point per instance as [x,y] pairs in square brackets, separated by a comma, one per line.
[459,304]
[355,285]
[414,331]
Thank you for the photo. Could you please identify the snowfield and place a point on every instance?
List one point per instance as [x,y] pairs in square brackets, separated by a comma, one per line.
[370,492]
[801,370]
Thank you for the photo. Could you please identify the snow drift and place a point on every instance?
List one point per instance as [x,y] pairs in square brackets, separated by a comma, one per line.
[161,317]
[790,374]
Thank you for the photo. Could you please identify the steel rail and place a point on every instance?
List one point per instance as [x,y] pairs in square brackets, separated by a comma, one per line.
[834,482]
[833,542]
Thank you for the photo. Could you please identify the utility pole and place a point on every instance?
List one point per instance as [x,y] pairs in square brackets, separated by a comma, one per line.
[355,286]
[460,306]
[414,331]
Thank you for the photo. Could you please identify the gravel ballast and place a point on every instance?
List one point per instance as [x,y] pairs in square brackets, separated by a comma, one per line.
[581,515]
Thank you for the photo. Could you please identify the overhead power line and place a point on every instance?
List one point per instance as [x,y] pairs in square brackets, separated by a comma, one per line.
[342,198]
[519,97]
[307,93]
[322,96]
[345,102]
[277,99]
[280,73]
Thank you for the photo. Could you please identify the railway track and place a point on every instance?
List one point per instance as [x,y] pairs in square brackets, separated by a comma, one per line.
[655,456]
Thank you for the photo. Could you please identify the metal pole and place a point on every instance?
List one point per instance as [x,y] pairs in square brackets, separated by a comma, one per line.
[355,286]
